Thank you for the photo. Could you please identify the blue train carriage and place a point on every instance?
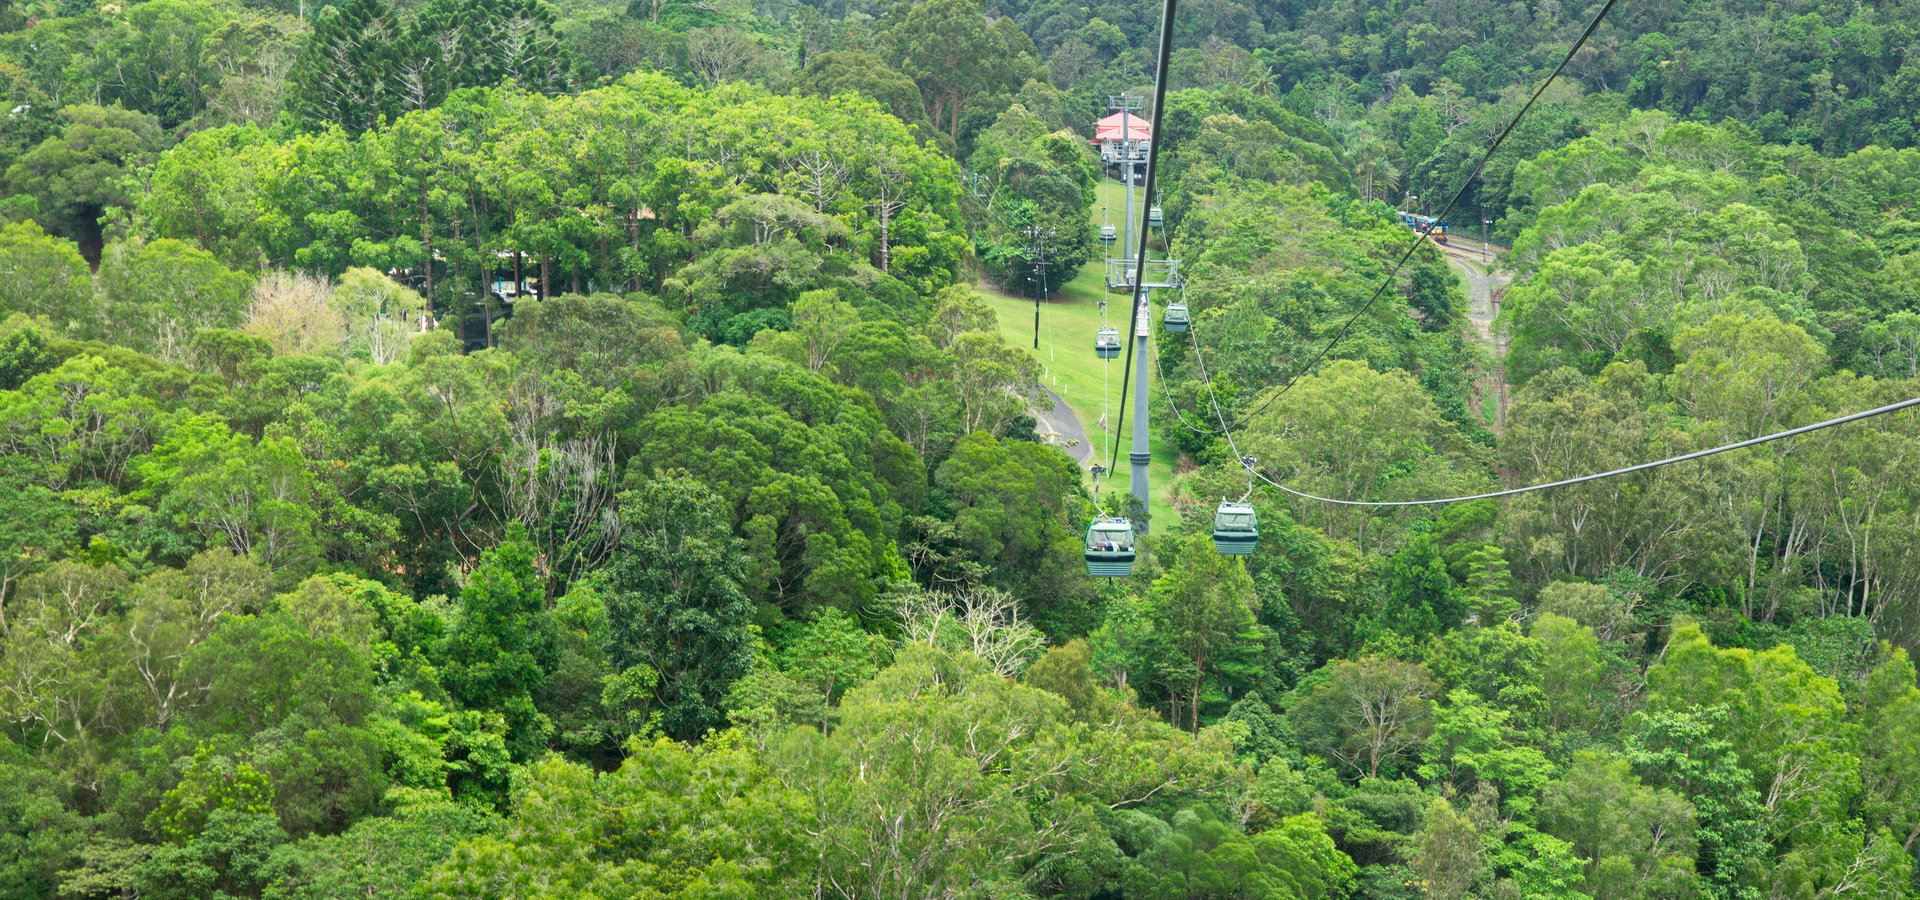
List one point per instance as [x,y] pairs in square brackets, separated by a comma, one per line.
[1427,225]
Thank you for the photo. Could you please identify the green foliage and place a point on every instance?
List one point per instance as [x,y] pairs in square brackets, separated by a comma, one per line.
[831,654]
[502,649]
[42,275]
[1637,840]
[1201,856]
[1729,814]
[37,829]
[1473,744]
[155,296]
[643,836]
[1010,504]
[1366,714]
[209,784]
[298,683]
[1449,852]
[941,45]
[77,176]
[23,354]
[628,214]
[842,71]
[368,61]
[382,854]
[675,608]
[1040,190]
[255,498]
[655,509]
[920,733]
[1352,432]
[1203,611]
[232,857]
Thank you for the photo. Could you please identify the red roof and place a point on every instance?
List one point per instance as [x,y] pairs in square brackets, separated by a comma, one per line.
[1109,128]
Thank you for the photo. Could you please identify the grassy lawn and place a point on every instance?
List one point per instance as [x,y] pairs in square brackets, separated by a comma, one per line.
[1067,325]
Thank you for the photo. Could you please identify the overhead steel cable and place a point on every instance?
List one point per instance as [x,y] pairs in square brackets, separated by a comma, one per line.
[1140,257]
[1164,388]
[1253,472]
[1421,238]
[1684,457]
[1212,399]
[1206,432]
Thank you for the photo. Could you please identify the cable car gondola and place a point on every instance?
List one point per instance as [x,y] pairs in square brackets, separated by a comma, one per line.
[1107,343]
[1110,548]
[1176,319]
[1155,219]
[1108,234]
[1236,529]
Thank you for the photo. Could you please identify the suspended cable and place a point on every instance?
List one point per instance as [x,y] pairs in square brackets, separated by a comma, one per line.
[1106,398]
[1420,238]
[1153,165]
[1697,454]
[1252,472]
[1200,360]
[1165,389]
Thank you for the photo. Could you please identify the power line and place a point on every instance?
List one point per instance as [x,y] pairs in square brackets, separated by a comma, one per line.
[1420,238]
[1697,454]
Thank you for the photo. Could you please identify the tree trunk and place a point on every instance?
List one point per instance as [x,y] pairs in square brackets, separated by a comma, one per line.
[954,105]
[1193,705]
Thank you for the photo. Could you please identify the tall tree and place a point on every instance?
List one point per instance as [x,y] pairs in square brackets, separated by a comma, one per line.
[955,55]
[43,275]
[1203,607]
[503,649]
[347,74]
[77,175]
[1638,840]
[1368,713]
[674,599]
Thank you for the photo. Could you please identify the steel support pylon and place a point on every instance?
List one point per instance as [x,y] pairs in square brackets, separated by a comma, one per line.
[1139,454]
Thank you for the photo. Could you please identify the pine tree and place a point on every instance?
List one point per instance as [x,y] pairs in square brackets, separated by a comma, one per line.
[348,75]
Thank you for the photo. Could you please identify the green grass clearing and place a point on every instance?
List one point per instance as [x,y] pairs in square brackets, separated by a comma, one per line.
[1068,322]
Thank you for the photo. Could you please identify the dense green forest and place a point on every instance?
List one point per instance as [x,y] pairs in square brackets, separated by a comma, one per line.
[494,449]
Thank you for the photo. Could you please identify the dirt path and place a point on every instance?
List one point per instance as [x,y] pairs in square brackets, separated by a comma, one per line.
[1484,292]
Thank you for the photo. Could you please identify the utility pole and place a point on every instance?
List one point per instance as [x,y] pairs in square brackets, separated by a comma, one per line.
[1038,236]
[1486,250]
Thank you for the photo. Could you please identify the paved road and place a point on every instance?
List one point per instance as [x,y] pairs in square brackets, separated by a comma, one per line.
[1062,428]
[1483,291]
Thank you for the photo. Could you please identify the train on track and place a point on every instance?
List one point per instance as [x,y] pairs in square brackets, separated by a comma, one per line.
[1427,225]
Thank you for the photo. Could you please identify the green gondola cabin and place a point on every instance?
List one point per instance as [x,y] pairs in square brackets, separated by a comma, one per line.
[1110,548]
[1236,529]
[1177,319]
